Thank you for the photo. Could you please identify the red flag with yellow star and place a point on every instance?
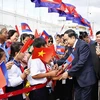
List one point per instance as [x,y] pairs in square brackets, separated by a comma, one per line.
[44,53]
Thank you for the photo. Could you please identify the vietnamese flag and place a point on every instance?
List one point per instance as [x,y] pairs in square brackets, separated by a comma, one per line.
[26,45]
[53,50]
[44,53]
[52,1]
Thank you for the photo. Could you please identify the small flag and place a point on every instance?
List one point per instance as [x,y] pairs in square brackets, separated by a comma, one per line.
[60,50]
[25,27]
[70,59]
[16,27]
[91,32]
[45,35]
[26,45]
[3,75]
[62,28]
[36,35]
[45,54]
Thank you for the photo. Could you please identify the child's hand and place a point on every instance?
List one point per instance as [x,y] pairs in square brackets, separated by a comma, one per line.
[9,64]
[26,71]
[52,73]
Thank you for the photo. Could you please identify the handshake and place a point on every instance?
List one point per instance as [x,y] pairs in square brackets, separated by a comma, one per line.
[58,73]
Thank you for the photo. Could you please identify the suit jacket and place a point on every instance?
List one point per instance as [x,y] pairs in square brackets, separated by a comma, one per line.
[95,59]
[82,66]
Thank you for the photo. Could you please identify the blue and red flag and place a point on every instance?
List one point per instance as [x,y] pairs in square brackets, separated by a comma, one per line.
[52,10]
[60,50]
[52,1]
[84,21]
[45,35]
[25,27]
[38,3]
[70,59]
[3,75]
[67,8]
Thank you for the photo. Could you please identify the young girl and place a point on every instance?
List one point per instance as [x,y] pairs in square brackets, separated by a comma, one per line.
[15,75]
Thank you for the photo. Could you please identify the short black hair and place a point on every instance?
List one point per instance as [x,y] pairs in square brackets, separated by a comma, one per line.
[38,42]
[58,35]
[23,36]
[71,33]
[83,34]
[97,32]
[15,47]
[11,33]
[50,37]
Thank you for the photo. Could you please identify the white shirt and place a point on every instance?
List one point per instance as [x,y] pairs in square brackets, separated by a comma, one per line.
[36,66]
[75,43]
[14,76]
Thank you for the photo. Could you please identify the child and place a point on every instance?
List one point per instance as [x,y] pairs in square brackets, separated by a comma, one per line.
[38,74]
[16,76]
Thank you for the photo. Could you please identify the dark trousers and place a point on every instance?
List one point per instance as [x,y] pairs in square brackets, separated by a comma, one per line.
[17,97]
[39,94]
[95,91]
[64,91]
[83,93]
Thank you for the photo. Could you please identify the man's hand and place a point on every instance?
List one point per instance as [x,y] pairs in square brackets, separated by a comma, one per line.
[98,51]
[64,75]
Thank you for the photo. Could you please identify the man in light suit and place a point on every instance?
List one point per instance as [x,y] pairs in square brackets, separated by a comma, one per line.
[82,67]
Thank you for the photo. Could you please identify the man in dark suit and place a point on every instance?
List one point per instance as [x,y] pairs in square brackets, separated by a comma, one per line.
[82,67]
[96,61]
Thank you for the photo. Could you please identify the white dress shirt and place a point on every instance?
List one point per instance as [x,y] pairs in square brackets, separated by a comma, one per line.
[36,67]
[14,76]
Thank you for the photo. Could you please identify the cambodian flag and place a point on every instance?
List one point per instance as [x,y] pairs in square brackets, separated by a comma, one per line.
[45,35]
[60,50]
[3,75]
[70,59]
[38,3]
[53,1]
[25,27]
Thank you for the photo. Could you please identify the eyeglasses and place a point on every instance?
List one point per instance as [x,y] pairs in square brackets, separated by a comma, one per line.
[50,41]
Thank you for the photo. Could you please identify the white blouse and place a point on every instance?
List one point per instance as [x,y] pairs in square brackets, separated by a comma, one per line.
[36,66]
[14,76]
